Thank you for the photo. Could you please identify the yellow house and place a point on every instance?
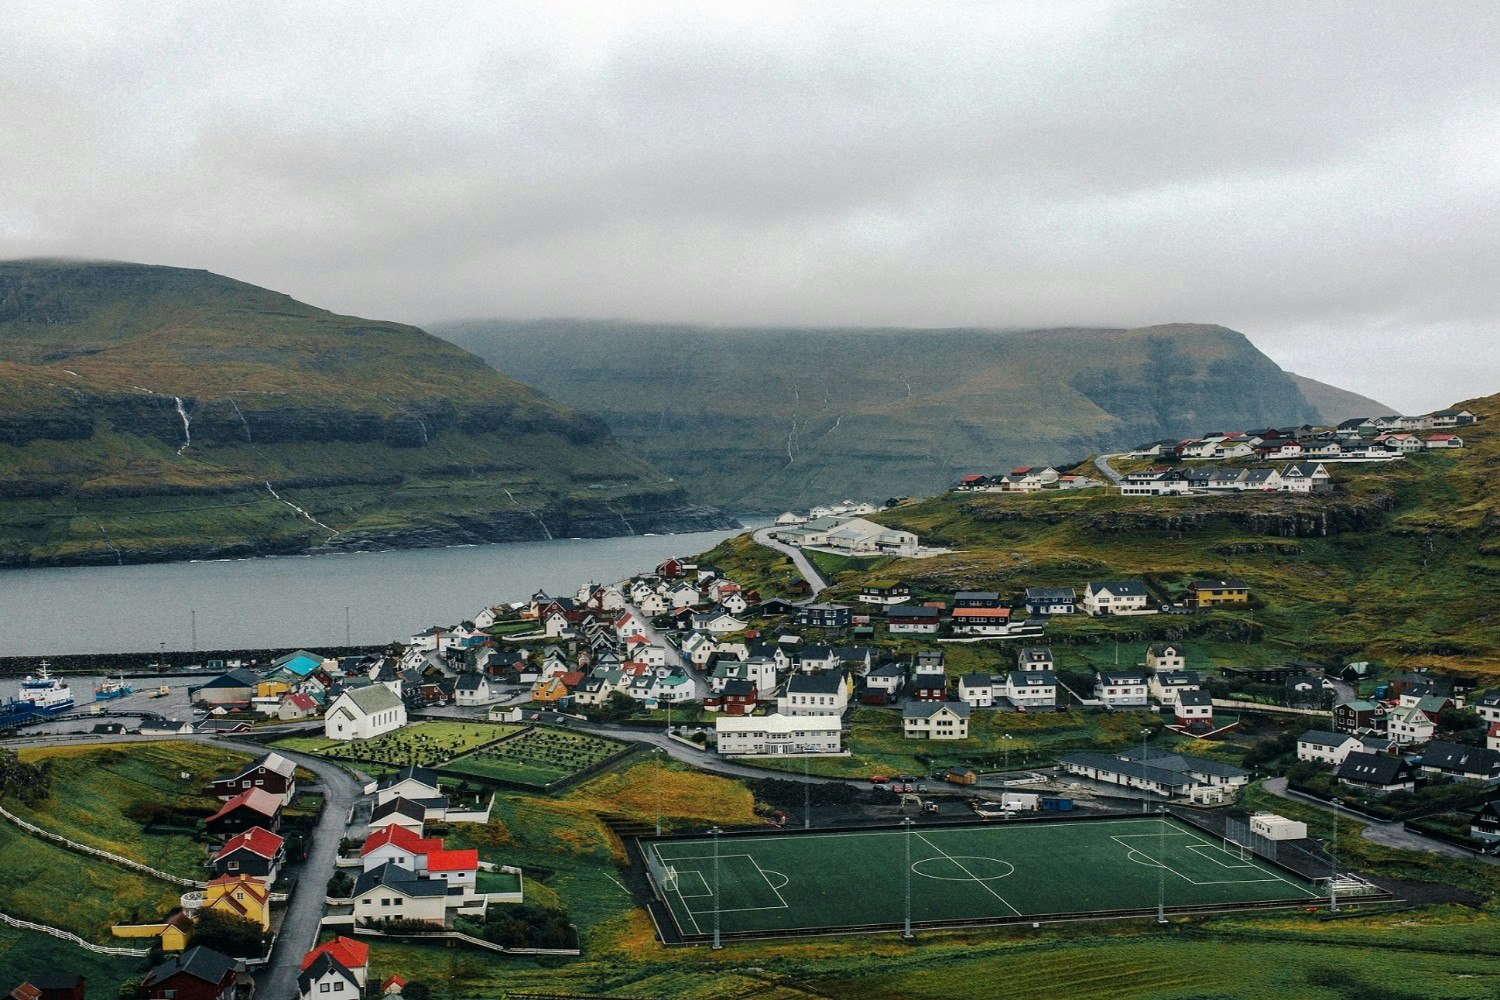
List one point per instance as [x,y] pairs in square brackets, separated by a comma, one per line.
[1217,593]
[271,689]
[241,896]
[173,932]
[550,690]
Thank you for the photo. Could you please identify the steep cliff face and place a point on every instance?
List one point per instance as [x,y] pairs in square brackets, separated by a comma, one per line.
[151,413]
[774,418]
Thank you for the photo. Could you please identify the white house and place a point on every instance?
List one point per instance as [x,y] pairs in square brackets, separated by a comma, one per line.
[1031,689]
[1306,477]
[364,713]
[1163,656]
[326,978]
[1325,747]
[913,620]
[1114,597]
[775,735]
[474,690]
[1121,688]
[1409,725]
[935,720]
[1168,685]
[823,693]
[390,891]
[977,690]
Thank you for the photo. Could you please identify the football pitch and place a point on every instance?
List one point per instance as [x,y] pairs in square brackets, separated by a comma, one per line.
[1020,871]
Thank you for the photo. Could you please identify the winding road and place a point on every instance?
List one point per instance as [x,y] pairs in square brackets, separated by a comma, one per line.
[1102,464]
[799,559]
[1381,832]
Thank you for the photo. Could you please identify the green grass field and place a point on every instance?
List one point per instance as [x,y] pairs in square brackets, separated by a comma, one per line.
[791,882]
[425,744]
[539,756]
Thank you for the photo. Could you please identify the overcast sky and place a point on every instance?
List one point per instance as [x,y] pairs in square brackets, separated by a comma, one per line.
[1324,178]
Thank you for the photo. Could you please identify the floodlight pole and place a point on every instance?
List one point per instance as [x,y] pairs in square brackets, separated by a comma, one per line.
[906,823]
[656,753]
[1161,861]
[716,831]
[1145,795]
[1333,889]
[806,789]
[1005,742]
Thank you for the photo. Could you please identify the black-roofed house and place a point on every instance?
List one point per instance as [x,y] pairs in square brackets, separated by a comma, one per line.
[326,978]
[1461,762]
[1162,773]
[408,813]
[197,974]
[910,619]
[1376,773]
[1195,710]
[1051,601]
[1121,688]
[390,892]
[823,693]
[1114,597]
[977,690]
[1486,823]
[1325,747]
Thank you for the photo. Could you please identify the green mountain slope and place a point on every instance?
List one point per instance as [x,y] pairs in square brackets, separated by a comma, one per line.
[1337,405]
[157,413]
[763,419]
[1401,564]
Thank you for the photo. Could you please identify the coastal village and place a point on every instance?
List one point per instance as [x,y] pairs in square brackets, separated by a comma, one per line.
[360,797]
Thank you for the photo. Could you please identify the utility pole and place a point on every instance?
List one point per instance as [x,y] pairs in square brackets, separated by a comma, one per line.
[906,823]
[1333,888]
[347,640]
[716,831]
[193,613]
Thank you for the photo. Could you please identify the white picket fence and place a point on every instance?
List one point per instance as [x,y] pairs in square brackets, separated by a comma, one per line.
[70,937]
[72,845]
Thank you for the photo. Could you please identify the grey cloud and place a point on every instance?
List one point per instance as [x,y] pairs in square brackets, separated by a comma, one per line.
[1320,176]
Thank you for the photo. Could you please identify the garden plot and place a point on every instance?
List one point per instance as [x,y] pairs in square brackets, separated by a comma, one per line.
[540,756]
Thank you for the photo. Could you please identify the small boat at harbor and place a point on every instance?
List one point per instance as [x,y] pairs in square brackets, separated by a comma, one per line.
[111,688]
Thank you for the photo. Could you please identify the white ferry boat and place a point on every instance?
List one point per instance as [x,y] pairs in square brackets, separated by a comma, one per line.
[45,692]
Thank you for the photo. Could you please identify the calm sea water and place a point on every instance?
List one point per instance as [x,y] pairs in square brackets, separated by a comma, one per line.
[301,601]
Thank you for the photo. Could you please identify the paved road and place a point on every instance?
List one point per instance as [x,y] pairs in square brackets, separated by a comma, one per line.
[674,656]
[299,927]
[799,559]
[1379,832]
[1102,464]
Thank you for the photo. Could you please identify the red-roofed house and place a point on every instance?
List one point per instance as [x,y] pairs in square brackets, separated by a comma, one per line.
[351,954]
[255,852]
[392,986]
[458,868]
[1492,738]
[251,808]
[981,621]
[400,846]
[297,706]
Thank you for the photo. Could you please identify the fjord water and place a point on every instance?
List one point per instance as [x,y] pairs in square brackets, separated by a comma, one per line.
[300,601]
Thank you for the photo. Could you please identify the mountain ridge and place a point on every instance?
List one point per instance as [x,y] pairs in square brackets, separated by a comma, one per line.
[763,418]
[277,427]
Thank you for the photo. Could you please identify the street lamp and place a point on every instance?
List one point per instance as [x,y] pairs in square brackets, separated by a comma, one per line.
[716,831]
[1333,887]
[906,823]
[1005,742]
[806,787]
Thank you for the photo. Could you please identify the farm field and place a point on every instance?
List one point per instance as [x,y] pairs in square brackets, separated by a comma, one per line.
[425,744]
[131,799]
[771,883]
[539,756]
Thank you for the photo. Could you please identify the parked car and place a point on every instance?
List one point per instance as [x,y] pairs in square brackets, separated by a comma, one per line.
[878,779]
[906,777]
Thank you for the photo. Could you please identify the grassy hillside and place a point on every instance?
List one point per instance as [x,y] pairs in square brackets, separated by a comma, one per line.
[1401,564]
[773,418]
[153,412]
[1337,405]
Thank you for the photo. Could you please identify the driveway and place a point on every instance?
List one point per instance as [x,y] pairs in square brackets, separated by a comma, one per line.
[1380,832]
[299,928]
[799,559]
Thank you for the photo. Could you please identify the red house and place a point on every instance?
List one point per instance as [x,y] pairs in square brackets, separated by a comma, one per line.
[273,772]
[739,697]
[255,852]
[196,974]
[50,986]
[248,809]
